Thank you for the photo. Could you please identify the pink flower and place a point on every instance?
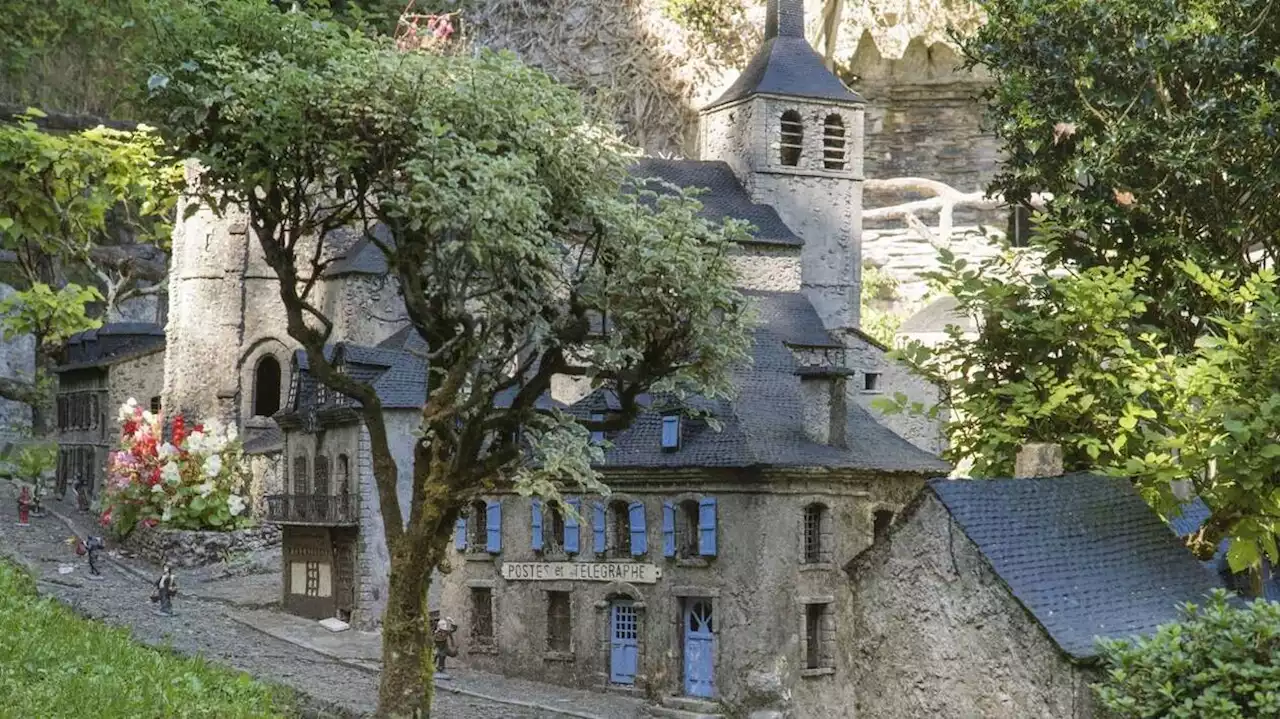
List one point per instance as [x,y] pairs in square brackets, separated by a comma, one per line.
[106,518]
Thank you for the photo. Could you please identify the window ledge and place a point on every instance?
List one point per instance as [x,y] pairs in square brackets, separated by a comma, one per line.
[694,562]
[818,672]
[818,567]
[477,557]
[550,656]
[478,648]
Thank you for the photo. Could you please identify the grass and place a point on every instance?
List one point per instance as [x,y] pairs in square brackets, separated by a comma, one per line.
[56,664]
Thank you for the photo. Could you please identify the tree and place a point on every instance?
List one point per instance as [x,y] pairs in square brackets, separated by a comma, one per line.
[92,206]
[1152,125]
[517,249]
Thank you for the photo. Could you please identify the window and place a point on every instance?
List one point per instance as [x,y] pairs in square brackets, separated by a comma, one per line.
[559,621]
[671,432]
[687,529]
[871,381]
[299,475]
[792,138]
[882,522]
[344,476]
[597,437]
[155,405]
[266,387]
[553,528]
[482,615]
[819,636]
[817,534]
[479,519]
[833,144]
[619,529]
[321,486]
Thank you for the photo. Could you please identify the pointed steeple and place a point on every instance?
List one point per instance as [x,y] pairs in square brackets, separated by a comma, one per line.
[786,65]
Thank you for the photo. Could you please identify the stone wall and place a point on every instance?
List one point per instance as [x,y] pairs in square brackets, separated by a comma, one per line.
[139,378]
[935,633]
[906,255]
[758,643]
[17,361]
[184,549]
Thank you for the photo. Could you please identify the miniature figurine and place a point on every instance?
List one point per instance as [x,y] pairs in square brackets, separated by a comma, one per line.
[24,508]
[92,546]
[166,588]
[444,647]
[82,496]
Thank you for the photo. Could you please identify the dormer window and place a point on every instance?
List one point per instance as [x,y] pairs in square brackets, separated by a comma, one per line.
[597,437]
[671,432]
[791,141]
[833,143]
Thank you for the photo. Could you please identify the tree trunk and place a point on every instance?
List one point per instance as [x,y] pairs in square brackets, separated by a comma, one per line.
[406,683]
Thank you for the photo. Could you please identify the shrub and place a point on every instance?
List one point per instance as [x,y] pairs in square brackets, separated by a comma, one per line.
[1220,661]
[193,481]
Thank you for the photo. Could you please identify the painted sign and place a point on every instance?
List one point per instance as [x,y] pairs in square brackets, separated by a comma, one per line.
[633,572]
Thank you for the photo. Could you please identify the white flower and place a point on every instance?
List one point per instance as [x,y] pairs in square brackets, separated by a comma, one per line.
[205,489]
[195,442]
[148,418]
[232,433]
[235,504]
[157,487]
[212,465]
[169,473]
[167,450]
[167,514]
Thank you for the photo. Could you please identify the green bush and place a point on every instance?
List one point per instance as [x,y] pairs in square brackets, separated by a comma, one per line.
[55,664]
[1219,662]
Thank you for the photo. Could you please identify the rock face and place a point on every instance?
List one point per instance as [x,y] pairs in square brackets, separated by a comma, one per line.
[183,549]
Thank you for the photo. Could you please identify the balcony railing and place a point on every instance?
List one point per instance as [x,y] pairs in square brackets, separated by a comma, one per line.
[319,509]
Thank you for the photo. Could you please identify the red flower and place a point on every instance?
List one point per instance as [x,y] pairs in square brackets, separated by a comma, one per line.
[179,430]
[130,426]
[150,522]
[155,477]
[200,428]
[106,518]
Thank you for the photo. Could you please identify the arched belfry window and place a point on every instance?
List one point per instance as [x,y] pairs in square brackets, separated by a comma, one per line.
[791,140]
[266,387]
[833,142]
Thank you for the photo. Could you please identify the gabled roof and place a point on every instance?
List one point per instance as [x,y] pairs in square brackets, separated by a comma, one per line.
[1188,521]
[764,425]
[724,197]
[109,344]
[937,316]
[398,377]
[1083,553]
[786,64]
[361,256]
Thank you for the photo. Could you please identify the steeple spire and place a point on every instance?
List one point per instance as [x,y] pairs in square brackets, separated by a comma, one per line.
[784,18]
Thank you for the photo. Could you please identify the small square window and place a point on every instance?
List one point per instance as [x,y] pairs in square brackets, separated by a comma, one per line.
[559,621]
[871,381]
[155,405]
[671,432]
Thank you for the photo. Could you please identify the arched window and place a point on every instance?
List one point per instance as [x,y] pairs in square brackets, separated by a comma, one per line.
[344,476]
[478,522]
[553,527]
[817,534]
[266,387]
[300,475]
[619,529]
[321,486]
[833,144]
[687,529]
[791,141]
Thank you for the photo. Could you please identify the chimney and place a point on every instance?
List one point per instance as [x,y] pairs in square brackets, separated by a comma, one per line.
[826,414]
[784,18]
[1038,459]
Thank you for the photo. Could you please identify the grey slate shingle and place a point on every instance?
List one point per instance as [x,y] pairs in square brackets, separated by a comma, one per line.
[937,316]
[1083,553]
[109,344]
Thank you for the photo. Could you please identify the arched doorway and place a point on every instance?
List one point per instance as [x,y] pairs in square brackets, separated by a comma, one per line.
[624,641]
[699,641]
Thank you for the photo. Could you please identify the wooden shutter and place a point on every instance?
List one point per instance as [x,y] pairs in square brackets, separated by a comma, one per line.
[639,534]
[460,534]
[598,526]
[536,525]
[571,528]
[668,529]
[493,527]
[707,527]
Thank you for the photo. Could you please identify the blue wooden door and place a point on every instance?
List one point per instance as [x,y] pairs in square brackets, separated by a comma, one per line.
[624,647]
[699,661]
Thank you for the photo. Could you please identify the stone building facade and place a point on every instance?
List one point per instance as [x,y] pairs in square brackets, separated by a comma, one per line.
[101,370]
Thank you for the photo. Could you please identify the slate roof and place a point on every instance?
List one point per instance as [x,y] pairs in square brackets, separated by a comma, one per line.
[1083,553]
[725,197]
[399,377]
[111,343]
[1188,520]
[265,440]
[361,257]
[763,425]
[937,316]
[786,64]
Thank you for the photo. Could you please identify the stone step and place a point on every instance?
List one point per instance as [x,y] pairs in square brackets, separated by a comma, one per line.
[661,712]
[685,708]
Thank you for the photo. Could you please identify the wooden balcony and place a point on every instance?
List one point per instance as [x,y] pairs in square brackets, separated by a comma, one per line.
[313,509]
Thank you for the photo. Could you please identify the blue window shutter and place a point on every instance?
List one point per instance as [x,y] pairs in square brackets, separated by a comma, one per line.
[668,529]
[493,525]
[639,533]
[571,528]
[460,534]
[597,526]
[597,437]
[536,525]
[671,431]
[707,527]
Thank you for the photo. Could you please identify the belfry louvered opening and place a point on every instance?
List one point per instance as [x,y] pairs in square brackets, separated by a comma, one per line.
[791,141]
[833,143]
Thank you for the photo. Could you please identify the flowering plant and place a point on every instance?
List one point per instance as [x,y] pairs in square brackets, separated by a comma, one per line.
[193,481]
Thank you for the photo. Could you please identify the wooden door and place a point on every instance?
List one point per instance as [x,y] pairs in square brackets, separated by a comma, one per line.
[308,572]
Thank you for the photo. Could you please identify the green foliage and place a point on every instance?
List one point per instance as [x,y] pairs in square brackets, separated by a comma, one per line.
[1154,127]
[879,288]
[715,21]
[55,664]
[51,316]
[1219,662]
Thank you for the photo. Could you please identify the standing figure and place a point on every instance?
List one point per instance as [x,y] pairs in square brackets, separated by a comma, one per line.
[82,494]
[92,546]
[24,508]
[166,587]
[442,637]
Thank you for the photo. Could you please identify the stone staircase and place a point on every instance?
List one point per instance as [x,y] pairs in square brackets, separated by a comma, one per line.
[684,708]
